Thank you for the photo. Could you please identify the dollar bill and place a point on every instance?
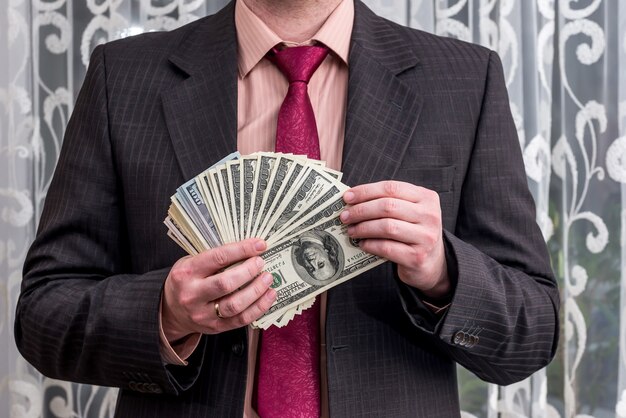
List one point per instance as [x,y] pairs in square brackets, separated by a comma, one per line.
[307,265]
[263,172]
[337,175]
[312,186]
[312,214]
[282,169]
[212,188]
[175,234]
[204,185]
[247,173]
[234,180]
[297,169]
[291,313]
[190,197]
[186,226]
[222,179]
[216,177]
[192,200]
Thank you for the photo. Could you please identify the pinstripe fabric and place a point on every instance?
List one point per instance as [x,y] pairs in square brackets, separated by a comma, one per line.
[158,108]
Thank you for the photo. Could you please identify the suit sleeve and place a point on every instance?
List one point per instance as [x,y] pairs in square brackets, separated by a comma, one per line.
[502,323]
[79,317]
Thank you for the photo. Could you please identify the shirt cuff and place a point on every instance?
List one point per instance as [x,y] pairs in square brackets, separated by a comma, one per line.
[178,352]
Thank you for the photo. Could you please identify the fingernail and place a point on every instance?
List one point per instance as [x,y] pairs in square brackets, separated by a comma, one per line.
[267,278]
[260,245]
[350,230]
[345,215]
[260,263]
[270,294]
[348,196]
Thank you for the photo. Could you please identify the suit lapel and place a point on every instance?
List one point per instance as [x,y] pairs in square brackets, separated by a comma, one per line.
[382,110]
[201,110]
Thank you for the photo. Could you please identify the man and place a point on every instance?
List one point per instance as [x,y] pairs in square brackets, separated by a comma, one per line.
[440,191]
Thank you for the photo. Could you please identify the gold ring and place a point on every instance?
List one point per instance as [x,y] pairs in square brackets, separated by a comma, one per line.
[217,310]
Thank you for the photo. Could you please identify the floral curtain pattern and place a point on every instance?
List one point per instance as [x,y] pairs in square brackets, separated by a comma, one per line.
[565,68]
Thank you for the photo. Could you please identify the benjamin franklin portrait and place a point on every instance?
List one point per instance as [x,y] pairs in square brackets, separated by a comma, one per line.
[317,258]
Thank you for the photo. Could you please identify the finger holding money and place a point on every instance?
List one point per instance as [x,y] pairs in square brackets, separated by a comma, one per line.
[196,283]
[402,223]
[236,302]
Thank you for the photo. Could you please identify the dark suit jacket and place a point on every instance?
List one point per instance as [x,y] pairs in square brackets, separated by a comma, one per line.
[159,108]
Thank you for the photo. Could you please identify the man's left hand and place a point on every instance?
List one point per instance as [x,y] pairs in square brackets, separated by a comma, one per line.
[402,223]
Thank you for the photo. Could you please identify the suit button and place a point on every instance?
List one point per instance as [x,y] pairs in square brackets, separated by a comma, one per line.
[473,341]
[458,337]
[238,349]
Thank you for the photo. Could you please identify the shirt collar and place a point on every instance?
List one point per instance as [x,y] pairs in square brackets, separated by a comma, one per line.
[255,38]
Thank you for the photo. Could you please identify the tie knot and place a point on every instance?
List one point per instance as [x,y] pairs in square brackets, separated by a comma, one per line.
[298,63]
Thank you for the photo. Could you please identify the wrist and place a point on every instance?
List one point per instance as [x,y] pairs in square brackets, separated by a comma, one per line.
[171,330]
[439,298]
[441,292]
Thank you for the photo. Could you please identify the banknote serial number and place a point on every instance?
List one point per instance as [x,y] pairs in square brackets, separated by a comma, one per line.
[275,266]
[356,257]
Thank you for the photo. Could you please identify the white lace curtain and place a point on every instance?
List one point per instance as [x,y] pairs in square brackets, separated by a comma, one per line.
[565,67]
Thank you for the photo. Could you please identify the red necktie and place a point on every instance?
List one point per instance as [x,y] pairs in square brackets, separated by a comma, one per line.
[288,373]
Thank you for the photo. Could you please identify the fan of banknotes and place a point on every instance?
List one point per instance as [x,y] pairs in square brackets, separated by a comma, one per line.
[290,201]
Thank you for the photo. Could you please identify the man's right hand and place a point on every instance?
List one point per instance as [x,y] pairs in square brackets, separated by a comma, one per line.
[196,283]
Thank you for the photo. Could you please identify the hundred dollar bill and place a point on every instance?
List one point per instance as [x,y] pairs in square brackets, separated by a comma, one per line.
[174,238]
[314,183]
[284,319]
[186,225]
[291,313]
[234,181]
[312,263]
[175,234]
[204,185]
[283,167]
[190,197]
[337,175]
[293,177]
[247,172]
[209,188]
[264,169]
[221,202]
[317,210]
[222,179]
[196,208]
[213,177]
